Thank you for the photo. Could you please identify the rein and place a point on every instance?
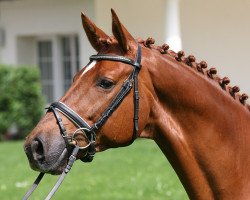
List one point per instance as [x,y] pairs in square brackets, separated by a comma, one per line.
[84,128]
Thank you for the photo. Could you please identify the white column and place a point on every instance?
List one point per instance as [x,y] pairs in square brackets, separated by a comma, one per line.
[172,25]
[57,68]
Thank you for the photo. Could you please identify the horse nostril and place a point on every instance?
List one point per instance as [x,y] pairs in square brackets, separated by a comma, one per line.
[37,150]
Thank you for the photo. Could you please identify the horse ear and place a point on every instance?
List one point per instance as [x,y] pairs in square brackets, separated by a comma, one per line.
[96,36]
[124,38]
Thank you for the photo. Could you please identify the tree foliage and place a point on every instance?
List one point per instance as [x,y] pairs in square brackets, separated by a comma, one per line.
[21,100]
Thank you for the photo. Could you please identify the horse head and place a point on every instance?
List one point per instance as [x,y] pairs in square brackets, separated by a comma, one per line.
[90,96]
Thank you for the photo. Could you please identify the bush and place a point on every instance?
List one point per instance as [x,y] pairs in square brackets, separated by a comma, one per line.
[21,100]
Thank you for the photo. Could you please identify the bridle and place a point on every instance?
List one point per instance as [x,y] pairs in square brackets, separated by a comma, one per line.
[89,132]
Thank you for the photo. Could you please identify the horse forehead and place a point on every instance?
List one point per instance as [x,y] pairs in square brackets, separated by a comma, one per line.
[89,67]
[111,67]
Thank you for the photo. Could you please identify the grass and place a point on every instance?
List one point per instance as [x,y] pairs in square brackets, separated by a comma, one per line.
[139,172]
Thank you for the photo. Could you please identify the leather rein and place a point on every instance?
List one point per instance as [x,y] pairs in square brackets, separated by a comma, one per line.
[89,132]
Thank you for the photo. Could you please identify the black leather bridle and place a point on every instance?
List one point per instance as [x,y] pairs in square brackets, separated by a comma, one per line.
[83,127]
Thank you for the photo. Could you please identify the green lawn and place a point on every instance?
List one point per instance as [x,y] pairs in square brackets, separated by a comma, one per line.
[138,172]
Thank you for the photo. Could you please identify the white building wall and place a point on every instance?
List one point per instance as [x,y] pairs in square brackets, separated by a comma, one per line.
[27,51]
[218,32]
[145,18]
[142,18]
[29,18]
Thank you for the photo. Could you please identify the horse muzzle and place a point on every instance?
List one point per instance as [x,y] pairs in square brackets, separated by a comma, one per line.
[46,157]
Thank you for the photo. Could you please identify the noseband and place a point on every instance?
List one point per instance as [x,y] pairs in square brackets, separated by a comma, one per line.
[83,127]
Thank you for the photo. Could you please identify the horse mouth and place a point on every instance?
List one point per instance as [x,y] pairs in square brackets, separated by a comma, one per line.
[52,162]
[59,165]
[55,167]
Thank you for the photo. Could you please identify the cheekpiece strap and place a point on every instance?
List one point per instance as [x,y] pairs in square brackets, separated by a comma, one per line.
[124,90]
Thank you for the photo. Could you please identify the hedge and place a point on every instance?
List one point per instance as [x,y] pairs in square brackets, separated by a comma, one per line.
[21,100]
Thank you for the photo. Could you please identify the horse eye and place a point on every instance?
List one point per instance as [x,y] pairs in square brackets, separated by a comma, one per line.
[105,84]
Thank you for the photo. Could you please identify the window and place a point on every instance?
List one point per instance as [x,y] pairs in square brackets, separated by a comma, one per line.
[58,60]
[45,63]
[70,59]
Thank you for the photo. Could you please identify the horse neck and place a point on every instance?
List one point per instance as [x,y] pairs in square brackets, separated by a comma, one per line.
[202,131]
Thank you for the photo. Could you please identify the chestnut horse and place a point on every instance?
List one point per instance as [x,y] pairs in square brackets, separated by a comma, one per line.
[199,122]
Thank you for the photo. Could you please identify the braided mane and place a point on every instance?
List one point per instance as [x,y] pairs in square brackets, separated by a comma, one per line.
[200,67]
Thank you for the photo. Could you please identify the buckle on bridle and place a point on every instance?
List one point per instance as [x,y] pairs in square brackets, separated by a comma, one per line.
[81,131]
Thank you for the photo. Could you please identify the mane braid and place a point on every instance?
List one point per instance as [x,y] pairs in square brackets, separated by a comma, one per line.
[200,67]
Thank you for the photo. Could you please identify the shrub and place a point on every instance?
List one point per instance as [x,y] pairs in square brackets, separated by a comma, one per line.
[5,99]
[21,100]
